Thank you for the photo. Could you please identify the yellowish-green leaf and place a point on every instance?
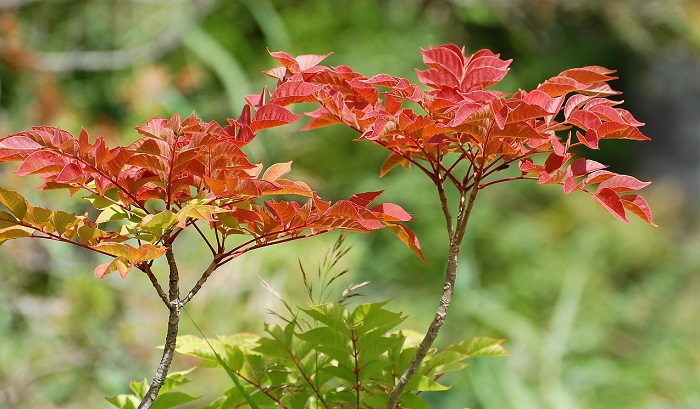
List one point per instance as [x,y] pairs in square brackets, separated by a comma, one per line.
[14,232]
[14,202]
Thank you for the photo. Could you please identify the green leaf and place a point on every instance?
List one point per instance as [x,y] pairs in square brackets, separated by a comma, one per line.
[6,219]
[61,221]
[171,399]
[111,213]
[341,372]
[423,383]
[411,401]
[175,379]
[162,220]
[124,401]
[197,347]
[480,346]
[377,348]
[140,388]
[327,337]
[330,314]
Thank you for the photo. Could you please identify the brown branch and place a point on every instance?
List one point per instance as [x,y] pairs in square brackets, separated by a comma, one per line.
[174,305]
[159,289]
[465,208]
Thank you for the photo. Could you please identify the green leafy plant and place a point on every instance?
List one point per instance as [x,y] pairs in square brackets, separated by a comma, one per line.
[325,355]
[192,176]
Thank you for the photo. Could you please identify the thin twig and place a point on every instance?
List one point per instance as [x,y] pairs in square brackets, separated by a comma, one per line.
[159,289]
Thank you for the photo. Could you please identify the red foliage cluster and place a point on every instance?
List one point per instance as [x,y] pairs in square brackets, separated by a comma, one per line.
[462,120]
[177,173]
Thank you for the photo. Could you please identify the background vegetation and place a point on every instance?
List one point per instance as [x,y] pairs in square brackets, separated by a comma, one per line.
[598,314]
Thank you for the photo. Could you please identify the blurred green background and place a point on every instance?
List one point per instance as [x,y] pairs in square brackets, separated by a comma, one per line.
[597,313]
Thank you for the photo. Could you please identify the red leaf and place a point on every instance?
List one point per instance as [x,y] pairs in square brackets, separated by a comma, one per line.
[583,166]
[610,200]
[407,237]
[320,118]
[394,212]
[623,183]
[589,75]
[590,138]
[637,205]
[391,162]
[365,199]
[70,173]
[585,120]
[598,176]
[575,102]
[292,92]
[271,115]
[41,162]
[19,142]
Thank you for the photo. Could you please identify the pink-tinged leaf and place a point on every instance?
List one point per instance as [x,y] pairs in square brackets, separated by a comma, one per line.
[307,61]
[277,72]
[271,115]
[637,205]
[447,56]
[276,171]
[482,77]
[585,120]
[559,149]
[610,200]
[286,60]
[320,118]
[590,138]
[70,173]
[598,176]
[527,166]
[570,185]
[19,142]
[365,199]
[407,237]
[158,128]
[119,263]
[384,80]
[41,162]
[392,212]
[501,117]
[573,103]
[438,78]
[559,86]
[583,166]
[555,162]
[614,130]
[623,183]
[294,92]
[608,113]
